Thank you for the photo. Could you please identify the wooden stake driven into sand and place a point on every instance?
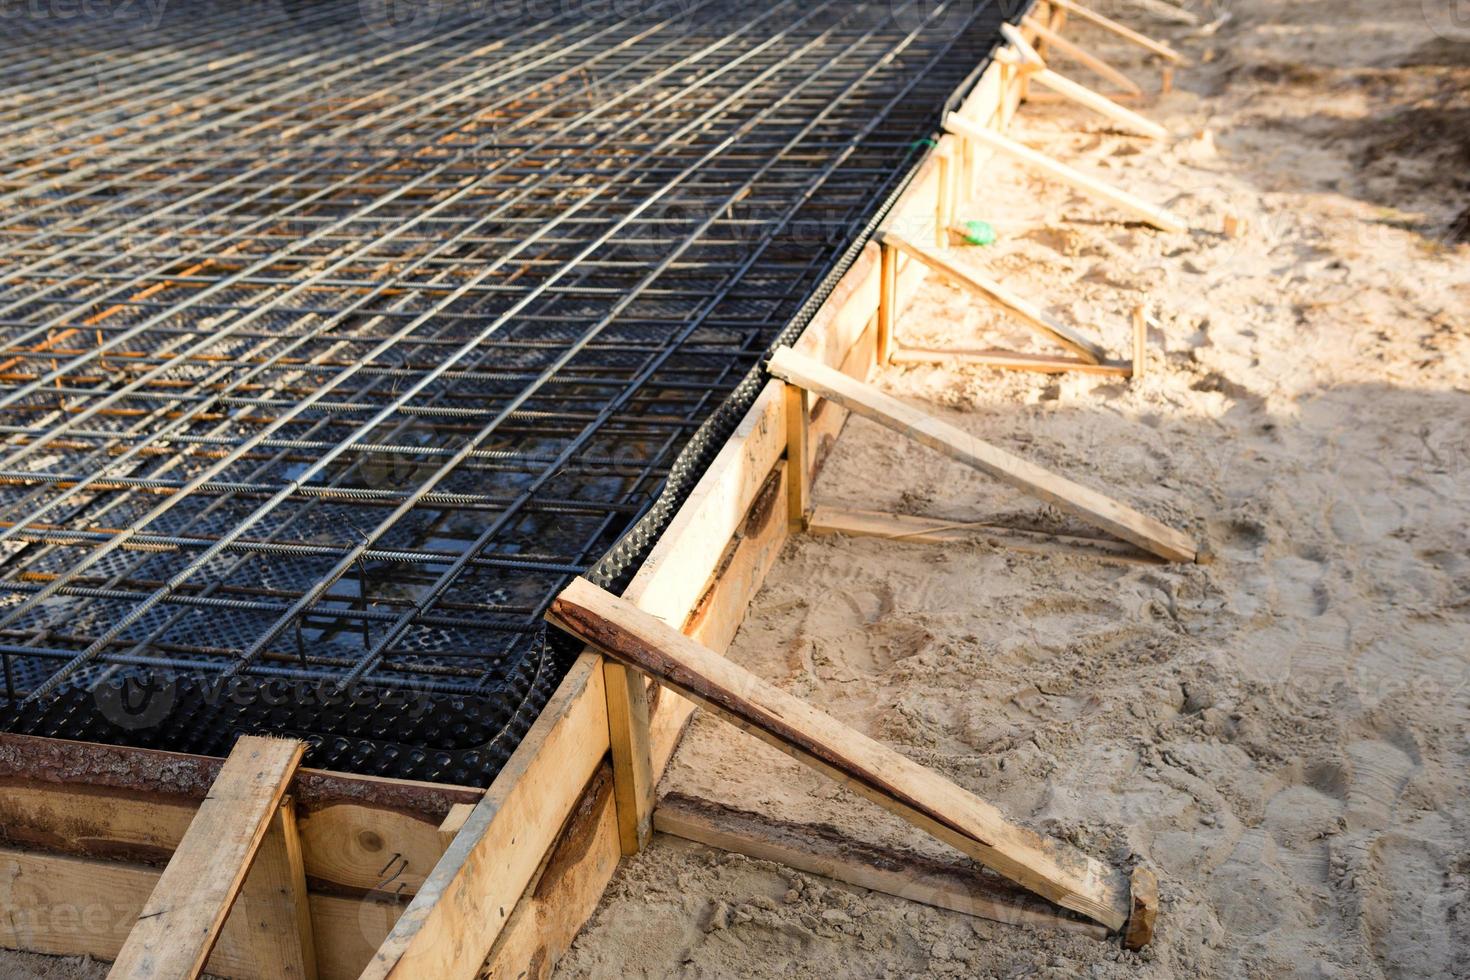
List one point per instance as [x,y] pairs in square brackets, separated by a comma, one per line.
[1053,869]
[1095,508]
[1159,217]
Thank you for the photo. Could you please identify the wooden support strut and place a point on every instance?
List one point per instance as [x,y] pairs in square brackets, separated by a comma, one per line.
[1006,360]
[1159,217]
[632,754]
[887,301]
[994,292]
[186,911]
[1091,506]
[1127,33]
[1051,868]
[822,850]
[932,530]
[798,456]
[1082,56]
[1081,94]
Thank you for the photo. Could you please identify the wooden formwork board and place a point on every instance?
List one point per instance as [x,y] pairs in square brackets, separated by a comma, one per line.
[389,895]
[86,829]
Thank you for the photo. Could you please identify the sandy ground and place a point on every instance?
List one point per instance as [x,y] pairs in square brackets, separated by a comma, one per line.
[1281,734]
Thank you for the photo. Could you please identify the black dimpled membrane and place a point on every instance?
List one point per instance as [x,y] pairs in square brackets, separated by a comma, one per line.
[339,336]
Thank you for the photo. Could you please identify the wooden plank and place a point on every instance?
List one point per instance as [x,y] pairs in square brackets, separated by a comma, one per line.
[1083,502]
[944,195]
[565,891]
[798,455]
[1082,56]
[348,932]
[466,899]
[182,918]
[1159,217]
[931,530]
[822,850]
[1080,94]
[1127,33]
[69,906]
[677,570]
[1024,310]
[273,905]
[1007,360]
[1052,869]
[1100,104]
[93,800]
[454,823]
[627,727]
[721,607]
[887,303]
[345,846]
[564,894]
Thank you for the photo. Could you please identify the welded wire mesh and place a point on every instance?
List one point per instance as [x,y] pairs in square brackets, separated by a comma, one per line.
[338,336]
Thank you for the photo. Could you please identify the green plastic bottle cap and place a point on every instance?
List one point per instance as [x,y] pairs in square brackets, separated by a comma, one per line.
[979,232]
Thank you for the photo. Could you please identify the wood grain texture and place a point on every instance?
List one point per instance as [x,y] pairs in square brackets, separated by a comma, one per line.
[1088,504]
[70,906]
[628,738]
[465,901]
[186,911]
[1144,915]
[273,907]
[1051,868]
[822,850]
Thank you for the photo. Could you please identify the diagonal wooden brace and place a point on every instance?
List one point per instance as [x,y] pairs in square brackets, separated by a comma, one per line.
[1160,218]
[1127,33]
[1081,55]
[1095,508]
[186,911]
[1080,94]
[1051,868]
[1090,351]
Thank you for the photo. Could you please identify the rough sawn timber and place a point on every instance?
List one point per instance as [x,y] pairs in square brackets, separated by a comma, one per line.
[1050,868]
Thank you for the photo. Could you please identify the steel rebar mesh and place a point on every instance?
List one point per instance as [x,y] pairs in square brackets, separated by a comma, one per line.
[339,336]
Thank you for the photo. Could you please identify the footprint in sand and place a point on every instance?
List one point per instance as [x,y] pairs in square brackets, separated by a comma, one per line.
[1380,772]
[1409,914]
[1301,585]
